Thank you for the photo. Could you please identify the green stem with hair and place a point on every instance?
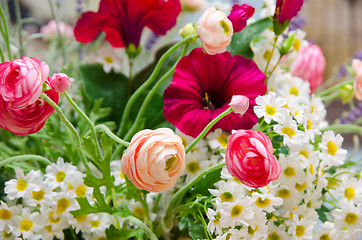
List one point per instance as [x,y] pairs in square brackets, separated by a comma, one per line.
[344,128]
[271,54]
[20,28]
[26,157]
[106,130]
[5,32]
[334,88]
[141,225]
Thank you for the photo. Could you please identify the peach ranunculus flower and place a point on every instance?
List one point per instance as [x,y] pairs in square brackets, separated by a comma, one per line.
[357,68]
[154,159]
[215,31]
[249,158]
[21,81]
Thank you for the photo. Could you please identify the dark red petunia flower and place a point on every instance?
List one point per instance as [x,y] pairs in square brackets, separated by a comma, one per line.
[287,9]
[239,15]
[202,88]
[123,20]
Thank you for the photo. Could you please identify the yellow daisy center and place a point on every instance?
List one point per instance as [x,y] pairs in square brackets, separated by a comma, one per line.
[288,131]
[193,167]
[270,110]
[331,148]
[5,214]
[26,225]
[349,193]
[227,197]
[60,176]
[236,210]
[21,185]
[351,218]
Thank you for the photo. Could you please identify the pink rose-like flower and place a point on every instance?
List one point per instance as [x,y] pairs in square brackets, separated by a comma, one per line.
[154,159]
[249,158]
[239,16]
[285,10]
[310,65]
[21,81]
[239,104]
[50,30]
[60,82]
[357,85]
[215,31]
[27,120]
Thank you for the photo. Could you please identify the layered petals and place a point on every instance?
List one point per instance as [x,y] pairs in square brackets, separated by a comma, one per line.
[239,16]
[123,20]
[202,88]
[285,10]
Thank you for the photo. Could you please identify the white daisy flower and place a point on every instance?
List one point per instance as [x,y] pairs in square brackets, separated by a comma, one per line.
[350,189]
[332,152]
[62,204]
[54,222]
[8,217]
[303,211]
[43,196]
[349,217]
[302,229]
[236,213]
[30,223]
[270,107]
[292,171]
[235,234]
[257,228]
[23,185]
[227,192]
[48,232]
[110,58]
[214,225]
[275,232]
[117,173]
[295,109]
[218,139]
[315,104]
[266,202]
[291,197]
[100,222]
[288,128]
[295,87]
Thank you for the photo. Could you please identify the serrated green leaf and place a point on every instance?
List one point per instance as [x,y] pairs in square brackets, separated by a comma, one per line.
[240,43]
[98,112]
[196,230]
[133,192]
[91,181]
[123,234]
[90,149]
[183,211]
[322,213]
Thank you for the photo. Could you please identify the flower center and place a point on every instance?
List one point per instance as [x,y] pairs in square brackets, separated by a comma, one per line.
[236,210]
[5,214]
[38,195]
[273,236]
[108,59]
[139,212]
[217,218]
[299,230]
[49,228]
[223,140]
[288,131]
[332,148]
[80,191]
[193,167]
[26,225]
[170,163]
[300,187]
[62,205]
[251,231]
[21,185]
[284,193]
[95,224]
[270,110]
[289,172]
[81,218]
[309,124]
[325,237]
[349,193]
[207,102]
[51,219]
[225,26]
[294,91]
[304,153]
[296,44]
[60,176]
[262,203]
[351,218]
[227,197]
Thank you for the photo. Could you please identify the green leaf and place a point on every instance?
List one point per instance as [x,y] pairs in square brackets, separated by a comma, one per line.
[280,28]
[111,87]
[90,149]
[97,112]
[196,230]
[207,182]
[322,213]
[123,234]
[240,43]
[286,45]
[133,192]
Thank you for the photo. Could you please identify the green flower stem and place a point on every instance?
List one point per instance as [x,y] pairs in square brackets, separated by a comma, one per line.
[114,199]
[106,130]
[272,71]
[130,77]
[344,128]
[69,125]
[334,88]
[207,129]
[20,28]
[86,118]
[141,225]
[180,193]
[60,37]
[330,97]
[2,55]
[5,33]
[26,157]
[271,54]
[147,83]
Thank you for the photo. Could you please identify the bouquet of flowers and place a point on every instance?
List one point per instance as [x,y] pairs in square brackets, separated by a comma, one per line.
[226,138]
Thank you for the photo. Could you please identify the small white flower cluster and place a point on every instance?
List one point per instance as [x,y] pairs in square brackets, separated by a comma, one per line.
[39,205]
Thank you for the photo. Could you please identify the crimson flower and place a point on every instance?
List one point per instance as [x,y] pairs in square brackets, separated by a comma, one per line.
[123,20]
[202,88]
[239,16]
[285,10]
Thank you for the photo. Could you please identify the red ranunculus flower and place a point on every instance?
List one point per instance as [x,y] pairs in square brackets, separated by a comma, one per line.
[202,88]
[287,9]
[123,20]
[27,120]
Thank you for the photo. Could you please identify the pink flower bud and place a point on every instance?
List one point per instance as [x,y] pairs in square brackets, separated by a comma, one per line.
[310,65]
[239,16]
[60,82]
[215,31]
[249,158]
[357,85]
[154,160]
[239,104]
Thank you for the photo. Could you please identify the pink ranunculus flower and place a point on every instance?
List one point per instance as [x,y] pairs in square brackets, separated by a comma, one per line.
[50,30]
[357,85]
[21,81]
[249,157]
[60,82]
[285,10]
[27,120]
[310,65]
[215,31]
[154,159]
[239,104]
[239,16]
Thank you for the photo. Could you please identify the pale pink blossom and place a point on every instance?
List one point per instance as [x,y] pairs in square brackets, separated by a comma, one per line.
[21,81]
[310,65]
[193,5]
[249,157]
[215,31]
[60,82]
[50,30]
[154,159]
[239,104]
[357,68]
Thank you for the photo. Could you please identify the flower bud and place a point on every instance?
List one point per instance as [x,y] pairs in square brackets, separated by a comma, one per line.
[188,30]
[239,104]
[60,82]
[346,93]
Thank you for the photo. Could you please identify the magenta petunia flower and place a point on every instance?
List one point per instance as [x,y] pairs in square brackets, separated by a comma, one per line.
[123,20]
[287,9]
[202,88]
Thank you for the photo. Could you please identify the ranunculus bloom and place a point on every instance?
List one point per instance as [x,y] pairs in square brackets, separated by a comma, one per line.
[21,81]
[123,20]
[27,120]
[357,85]
[239,16]
[50,30]
[215,31]
[154,159]
[202,88]
[60,82]
[249,158]
[239,104]
[287,9]
[310,65]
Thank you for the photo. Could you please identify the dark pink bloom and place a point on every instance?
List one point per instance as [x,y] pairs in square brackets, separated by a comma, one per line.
[27,120]
[287,9]
[249,158]
[123,20]
[202,88]
[239,15]
[60,82]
